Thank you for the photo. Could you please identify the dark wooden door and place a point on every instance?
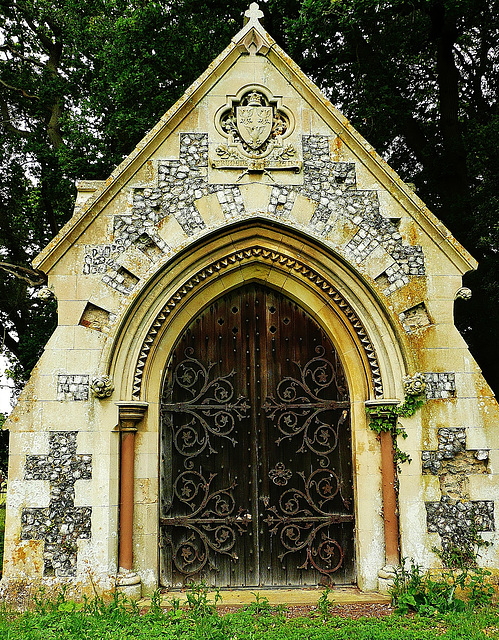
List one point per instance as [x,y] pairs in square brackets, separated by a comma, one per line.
[256,476]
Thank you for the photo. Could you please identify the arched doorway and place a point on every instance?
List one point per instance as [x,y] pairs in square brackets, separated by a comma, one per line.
[256,464]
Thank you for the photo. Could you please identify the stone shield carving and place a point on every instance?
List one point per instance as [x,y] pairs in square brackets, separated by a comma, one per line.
[256,127]
[254,122]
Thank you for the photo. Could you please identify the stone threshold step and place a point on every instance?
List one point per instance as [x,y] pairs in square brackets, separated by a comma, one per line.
[290,597]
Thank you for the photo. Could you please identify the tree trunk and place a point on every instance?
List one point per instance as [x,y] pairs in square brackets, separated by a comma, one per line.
[453,179]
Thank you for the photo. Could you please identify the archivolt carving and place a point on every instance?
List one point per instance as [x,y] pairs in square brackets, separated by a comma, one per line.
[278,258]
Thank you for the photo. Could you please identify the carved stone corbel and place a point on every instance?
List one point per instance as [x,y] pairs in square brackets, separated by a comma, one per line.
[464,293]
[102,386]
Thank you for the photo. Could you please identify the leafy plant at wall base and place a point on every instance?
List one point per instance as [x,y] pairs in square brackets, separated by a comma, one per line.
[480,593]
[155,608]
[418,590]
[462,549]
[199,603]
[175,613]
[260,605]
[324,603]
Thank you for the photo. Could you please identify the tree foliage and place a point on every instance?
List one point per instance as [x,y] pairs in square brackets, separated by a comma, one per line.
[82,82]
[419,79]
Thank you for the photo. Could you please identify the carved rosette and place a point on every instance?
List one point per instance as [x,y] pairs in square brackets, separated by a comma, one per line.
[414,385]
[256,127]
[102,386]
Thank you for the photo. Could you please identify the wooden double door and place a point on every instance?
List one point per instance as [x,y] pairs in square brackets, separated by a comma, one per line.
[256,477]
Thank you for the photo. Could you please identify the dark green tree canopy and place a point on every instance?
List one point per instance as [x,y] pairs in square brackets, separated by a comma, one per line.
[82,82]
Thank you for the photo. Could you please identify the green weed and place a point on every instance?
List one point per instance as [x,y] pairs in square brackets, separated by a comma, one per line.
[260,605]
[175,613]
[155,607]
[199,602]
[119,619]
[324,604]
[418,590]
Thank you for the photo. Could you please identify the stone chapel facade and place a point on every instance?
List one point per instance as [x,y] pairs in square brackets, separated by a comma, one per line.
[230,300]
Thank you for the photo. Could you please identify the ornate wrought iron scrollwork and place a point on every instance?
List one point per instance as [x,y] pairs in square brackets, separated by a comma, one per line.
[206,521]
[280,475]
[303,518]
[299,404]
[212,407]
[211,525]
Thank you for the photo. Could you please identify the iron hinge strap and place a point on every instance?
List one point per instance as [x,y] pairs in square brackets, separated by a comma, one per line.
[186,407]
[332,519]
[181,521]
[316,406]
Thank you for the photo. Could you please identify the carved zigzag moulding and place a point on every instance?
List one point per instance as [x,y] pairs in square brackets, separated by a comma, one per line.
[276,257]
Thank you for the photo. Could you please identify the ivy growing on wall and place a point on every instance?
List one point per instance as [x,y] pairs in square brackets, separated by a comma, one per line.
[383,418]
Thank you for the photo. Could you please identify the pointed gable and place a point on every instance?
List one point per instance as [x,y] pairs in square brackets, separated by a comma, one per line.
[252,59]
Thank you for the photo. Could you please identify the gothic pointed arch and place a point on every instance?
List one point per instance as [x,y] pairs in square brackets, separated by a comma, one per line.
[280,257]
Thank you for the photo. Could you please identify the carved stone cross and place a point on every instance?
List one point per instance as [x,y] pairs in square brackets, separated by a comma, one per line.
[455,517]
[253,13]
[60,524]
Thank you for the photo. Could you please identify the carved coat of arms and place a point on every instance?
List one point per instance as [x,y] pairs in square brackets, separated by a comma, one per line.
[255,126]
[254,122]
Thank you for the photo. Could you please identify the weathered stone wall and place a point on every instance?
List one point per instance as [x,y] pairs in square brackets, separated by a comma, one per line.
[320,218]
[61,524]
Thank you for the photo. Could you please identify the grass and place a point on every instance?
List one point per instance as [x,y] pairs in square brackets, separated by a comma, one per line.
[95,620]
[2,531]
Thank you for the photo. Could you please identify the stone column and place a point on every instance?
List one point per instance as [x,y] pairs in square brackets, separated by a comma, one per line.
[390,510]
[130,413]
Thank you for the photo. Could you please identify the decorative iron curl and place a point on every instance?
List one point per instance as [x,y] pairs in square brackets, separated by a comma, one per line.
[298,406]
[302,520]
[212,406]
[327,556]
[210,527]
[191,555]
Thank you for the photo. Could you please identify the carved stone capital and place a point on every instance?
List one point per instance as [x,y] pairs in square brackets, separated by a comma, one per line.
[381,407]
[130,413]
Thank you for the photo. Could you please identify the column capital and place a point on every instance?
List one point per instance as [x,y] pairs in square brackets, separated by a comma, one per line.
[130,412]
[381,406]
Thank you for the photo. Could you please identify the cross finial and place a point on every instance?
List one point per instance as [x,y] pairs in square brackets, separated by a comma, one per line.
[253,14]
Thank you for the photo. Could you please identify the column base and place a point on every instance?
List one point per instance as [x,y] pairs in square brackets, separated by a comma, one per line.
[386,577]
[128,583]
